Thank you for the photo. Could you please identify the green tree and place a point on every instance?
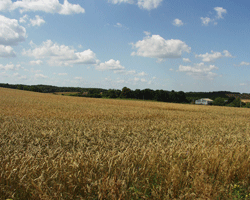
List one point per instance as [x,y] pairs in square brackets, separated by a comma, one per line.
[219,101]
[126,93]
[237,103]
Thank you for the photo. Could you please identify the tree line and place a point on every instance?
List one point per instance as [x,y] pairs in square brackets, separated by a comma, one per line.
[220,97]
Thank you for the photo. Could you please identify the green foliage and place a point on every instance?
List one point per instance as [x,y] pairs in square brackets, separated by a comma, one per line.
[111,93]
[237,103]
[239,192]
[219,101]
[126,93]
[247,105]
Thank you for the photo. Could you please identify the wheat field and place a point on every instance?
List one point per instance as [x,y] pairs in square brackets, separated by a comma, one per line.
[60,147]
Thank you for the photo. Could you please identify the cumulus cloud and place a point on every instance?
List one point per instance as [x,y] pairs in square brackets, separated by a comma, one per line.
[48,6]
[61,55]
[32,70]
[40,76]
[243,63]
[5,5]
[9,67]
[38,21]
[178,22]
[142,74]
[24,19]
[121,1]
[11,33]
[149,4]
[110,65]
[118,25]
[143,4]
[125,72]
[157,47]
[220,11]
[36,62]
[213,56]
[6,51]
[78,78]
[147,33]
[20,77]
[219,15]
[206,20]
[186,60]
[199,70]
[62,74]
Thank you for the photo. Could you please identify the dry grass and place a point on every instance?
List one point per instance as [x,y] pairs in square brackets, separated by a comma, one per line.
[245,100]
[59,147]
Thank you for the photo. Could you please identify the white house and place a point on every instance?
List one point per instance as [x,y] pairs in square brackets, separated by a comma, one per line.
[204,101]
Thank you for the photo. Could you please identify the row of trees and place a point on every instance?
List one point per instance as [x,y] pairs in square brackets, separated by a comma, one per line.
[147,94]
[232,102]
[219,97]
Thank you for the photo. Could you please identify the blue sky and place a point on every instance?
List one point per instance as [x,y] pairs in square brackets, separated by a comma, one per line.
[158,44]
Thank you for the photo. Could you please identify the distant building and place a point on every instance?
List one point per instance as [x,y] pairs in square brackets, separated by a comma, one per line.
[204,101]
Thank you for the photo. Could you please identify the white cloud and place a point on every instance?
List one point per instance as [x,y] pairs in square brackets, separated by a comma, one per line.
[78,78]
[186,60]
[121,1]
[36,62]
[24,19]
[199,70]
[61,55]
[11,33]
[118,25]
[227,54]
[120,81]
[243,84]
[40,76]
[48,6]
[149,4]
[178,22]
[38,21]
[110,65]
[9,67]
[5,5]
[125,72]
[143,4]
[147,33]
[35,71]
[62,74]
[142,74]
[6,51]
[20,77]
[158,47]
[243,63]
[220,11]
[206,20]
[136,79]
[213,56]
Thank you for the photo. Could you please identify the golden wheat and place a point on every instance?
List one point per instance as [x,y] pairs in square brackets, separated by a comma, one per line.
[59,147]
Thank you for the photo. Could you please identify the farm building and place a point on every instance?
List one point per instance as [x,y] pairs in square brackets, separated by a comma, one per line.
[204,101]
